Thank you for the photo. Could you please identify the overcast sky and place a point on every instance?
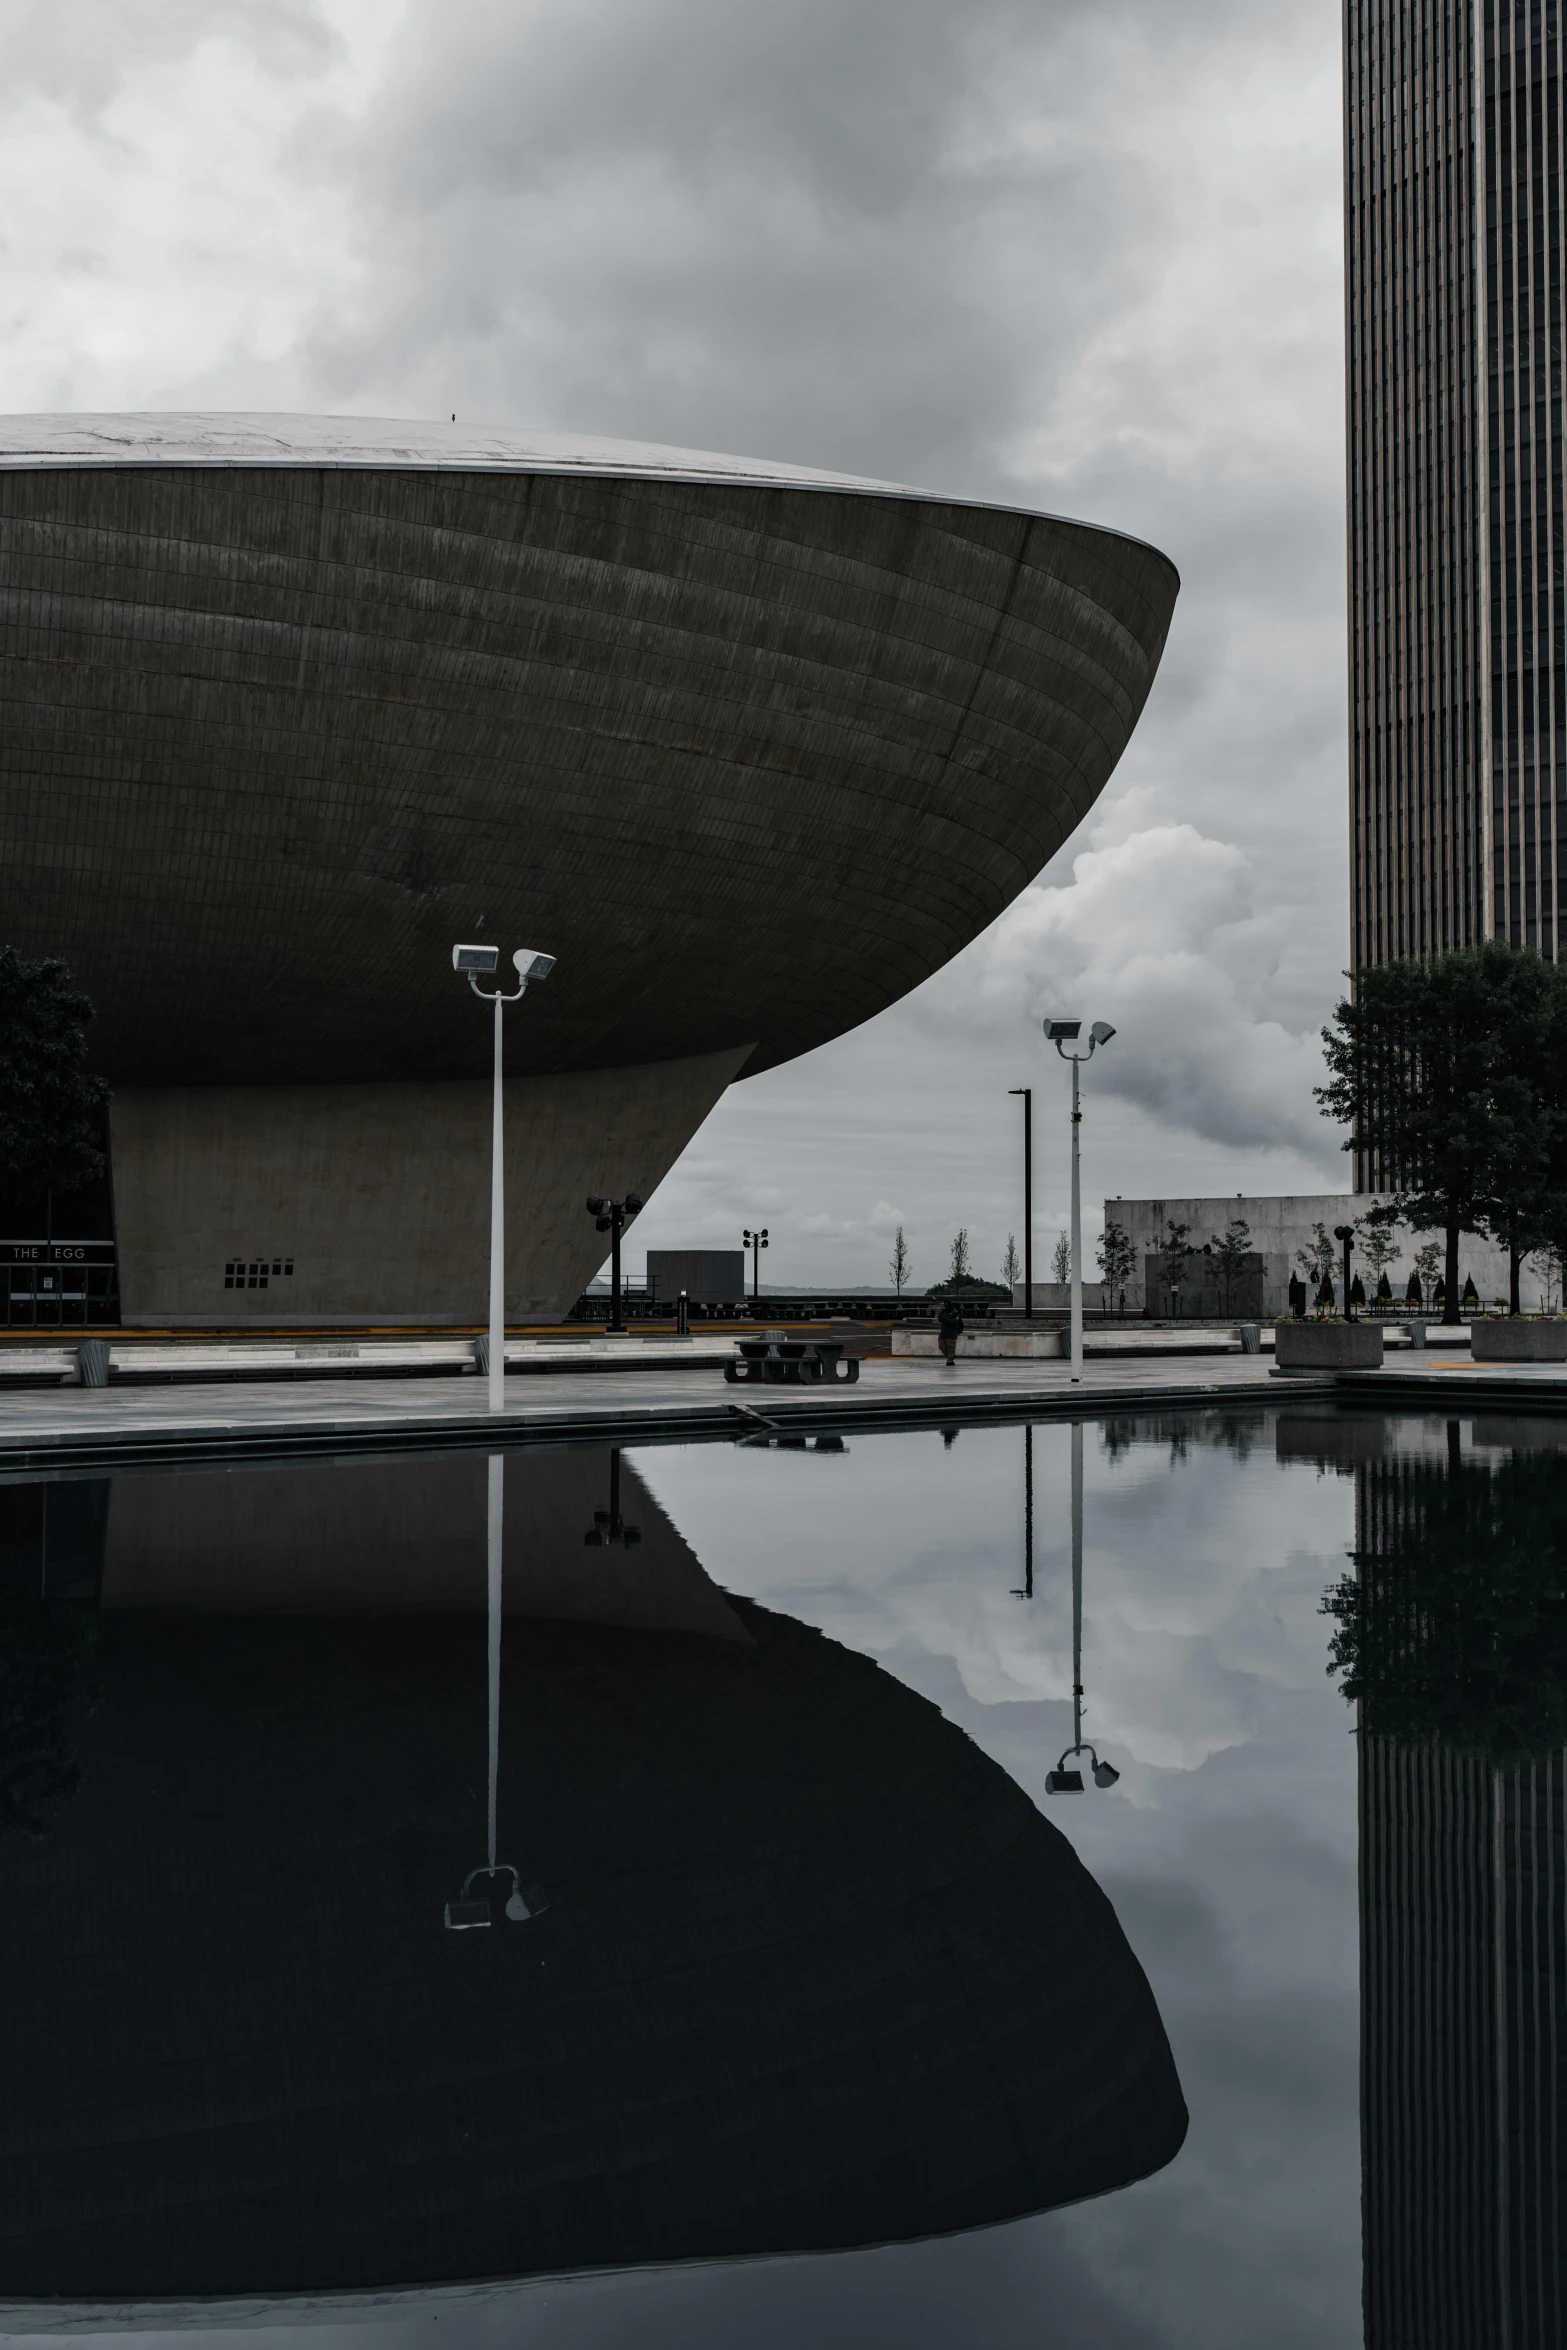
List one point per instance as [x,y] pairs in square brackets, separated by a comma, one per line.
[1081,254]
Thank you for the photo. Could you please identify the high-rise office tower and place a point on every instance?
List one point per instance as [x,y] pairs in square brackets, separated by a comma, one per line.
[1456,221]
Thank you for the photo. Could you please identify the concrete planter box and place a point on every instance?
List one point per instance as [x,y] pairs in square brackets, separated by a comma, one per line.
[1519,1342]
[1328,1346]
[985,1346]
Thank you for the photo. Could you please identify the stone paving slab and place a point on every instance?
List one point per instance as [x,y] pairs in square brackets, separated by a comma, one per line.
[74,1427]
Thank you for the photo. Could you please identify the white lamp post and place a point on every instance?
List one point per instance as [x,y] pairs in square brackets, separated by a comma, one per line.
[1061,1033]
[471,961]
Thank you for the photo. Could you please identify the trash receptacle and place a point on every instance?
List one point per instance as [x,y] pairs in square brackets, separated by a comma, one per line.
[1251,1338]
[92,1363]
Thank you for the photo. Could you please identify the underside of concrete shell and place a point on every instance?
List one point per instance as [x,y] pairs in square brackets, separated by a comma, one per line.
[287,708]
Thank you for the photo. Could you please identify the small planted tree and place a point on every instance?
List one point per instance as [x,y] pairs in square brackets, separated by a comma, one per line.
[51,1111]
[1061,1259]
[1229,1259]
[962,1278]
[1428,1273]
[1377,1241]
[1117,1262]
[1470,1301]
[1316,1259]
[898,1262]
[1011,1269]
[1176,1253]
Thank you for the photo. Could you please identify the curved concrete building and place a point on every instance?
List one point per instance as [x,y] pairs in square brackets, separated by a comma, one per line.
[287,705]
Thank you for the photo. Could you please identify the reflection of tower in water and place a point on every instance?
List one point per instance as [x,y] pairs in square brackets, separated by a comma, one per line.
[1463,1924]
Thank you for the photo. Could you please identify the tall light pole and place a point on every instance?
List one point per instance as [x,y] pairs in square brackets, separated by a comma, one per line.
[1061,1033]
[531,967]
[1027,1092]
[756,1242]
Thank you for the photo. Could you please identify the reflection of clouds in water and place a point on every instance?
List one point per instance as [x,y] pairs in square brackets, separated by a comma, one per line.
[1202,1577]
[1232,1867]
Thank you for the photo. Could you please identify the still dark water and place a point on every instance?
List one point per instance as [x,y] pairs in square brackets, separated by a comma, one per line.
[827,2020]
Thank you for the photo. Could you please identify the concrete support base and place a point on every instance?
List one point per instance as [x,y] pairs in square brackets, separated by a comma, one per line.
[377,1196]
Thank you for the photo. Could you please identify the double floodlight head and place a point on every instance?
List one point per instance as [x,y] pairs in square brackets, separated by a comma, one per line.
[1061,1033]
[1343,1231]
[1067,1777]
[613,1211]
[755,1239]
[474,962]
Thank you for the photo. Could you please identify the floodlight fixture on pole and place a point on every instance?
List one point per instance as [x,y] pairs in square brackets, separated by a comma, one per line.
[474,963]
[756,1242]
[1027,1093]
[1061,1033]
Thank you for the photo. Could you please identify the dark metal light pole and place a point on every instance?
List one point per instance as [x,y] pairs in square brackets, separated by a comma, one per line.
[1027,1092]
[612,1216]
[1346,1233]
[756,1242]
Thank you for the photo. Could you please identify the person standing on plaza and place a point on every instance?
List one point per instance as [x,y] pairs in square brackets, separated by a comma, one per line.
[949,1329]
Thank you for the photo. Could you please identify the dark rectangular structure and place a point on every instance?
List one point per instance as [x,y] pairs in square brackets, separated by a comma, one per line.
[1455,226]
[709,1276]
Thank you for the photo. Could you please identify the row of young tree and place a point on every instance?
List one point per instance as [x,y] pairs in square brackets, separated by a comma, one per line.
[1450,1076]
[961,1272]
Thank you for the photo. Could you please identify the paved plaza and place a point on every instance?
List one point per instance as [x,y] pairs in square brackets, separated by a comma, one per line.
[69,1427]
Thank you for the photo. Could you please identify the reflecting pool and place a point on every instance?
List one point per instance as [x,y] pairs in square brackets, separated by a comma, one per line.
[1095,1884]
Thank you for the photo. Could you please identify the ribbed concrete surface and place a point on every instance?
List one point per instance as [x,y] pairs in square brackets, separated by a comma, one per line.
[751,759]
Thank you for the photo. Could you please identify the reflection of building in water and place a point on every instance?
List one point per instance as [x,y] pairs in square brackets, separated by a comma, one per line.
[1463,2043]
[814,1972]
[1463,1901]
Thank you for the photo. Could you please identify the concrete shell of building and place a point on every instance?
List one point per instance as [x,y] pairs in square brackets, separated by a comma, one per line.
[289,705]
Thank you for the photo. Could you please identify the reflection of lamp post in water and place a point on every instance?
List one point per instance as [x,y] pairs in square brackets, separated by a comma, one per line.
[1027,1591]
[608,1525]
[1062,1781]
[522,1902]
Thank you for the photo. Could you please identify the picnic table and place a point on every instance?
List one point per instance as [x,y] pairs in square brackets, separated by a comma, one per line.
[792,1362]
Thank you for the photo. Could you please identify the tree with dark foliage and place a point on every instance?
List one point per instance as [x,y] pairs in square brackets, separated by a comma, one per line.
[51,1110]
[1447,1072]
